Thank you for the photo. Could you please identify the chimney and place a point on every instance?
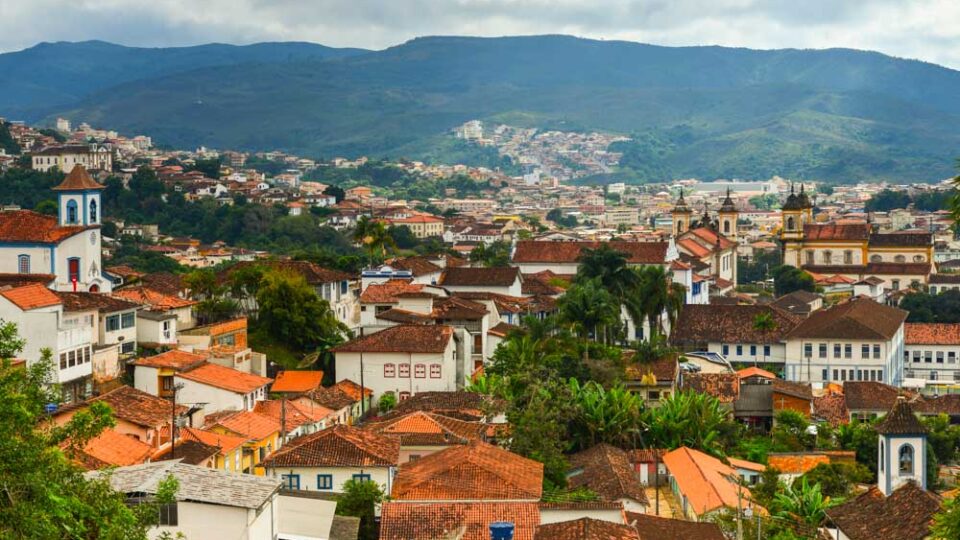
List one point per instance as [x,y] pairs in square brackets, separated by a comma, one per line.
[501,530]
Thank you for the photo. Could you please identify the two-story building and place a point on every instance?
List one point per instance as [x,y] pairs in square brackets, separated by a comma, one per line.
[930,353]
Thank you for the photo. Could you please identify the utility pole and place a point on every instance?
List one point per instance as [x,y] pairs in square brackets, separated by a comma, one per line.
[173,421]
[739,511]
[283,420]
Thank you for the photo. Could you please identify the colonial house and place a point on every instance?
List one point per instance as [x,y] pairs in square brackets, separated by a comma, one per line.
[296,382]
[294,419]
[325,460]
[406,359]
[709,244]
[703,484]
[504,280]
[228,448]
[856,340]
[66,247]
[116,323]
[261,433]
[607,471]
[154,374]
[38,313]
[562,258]
[220,388]
[424,433]
[930,353]
[69,157]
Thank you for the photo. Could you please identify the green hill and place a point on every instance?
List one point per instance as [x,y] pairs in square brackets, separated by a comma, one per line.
[838,115]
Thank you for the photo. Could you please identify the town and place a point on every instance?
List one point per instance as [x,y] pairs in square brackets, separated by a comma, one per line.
[263,345]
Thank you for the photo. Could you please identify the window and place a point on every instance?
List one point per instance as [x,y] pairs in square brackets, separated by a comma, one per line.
[739,350]
[128,347]
[951,357]
[876,351]
[291,481]
[404,395]
[865,351]
[71,358]
[918,258]
[753,350]
[653,395]
[113,323]
[128,320]
[895,284]
[63,360]
[726,227]
[848,257]
[389,371]
[420,371]
[939,357]
[791,223]
[916,356]
[766,350]
[361,477]
[822,350]
[848,351]
[71,211]
[23,264]
[900,259]
[825,374]
[880,375]
[836,375]
[405,371]
[827,257]
[168,514]
[843,374]
[435,371]
[810,257]
[906,459]
[726,350]
[324,481]
[927,357]
[93,211]
[836,350]
[86,355]
[933,375]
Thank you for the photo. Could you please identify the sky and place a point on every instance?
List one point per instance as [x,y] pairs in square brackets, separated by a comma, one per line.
[920,29]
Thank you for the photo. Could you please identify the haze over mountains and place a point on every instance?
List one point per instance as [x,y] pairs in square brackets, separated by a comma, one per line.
[837,115]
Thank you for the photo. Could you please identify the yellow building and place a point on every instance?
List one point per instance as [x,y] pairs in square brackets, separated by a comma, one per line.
[421,226]
[230,455]
[260,432]
[65,158]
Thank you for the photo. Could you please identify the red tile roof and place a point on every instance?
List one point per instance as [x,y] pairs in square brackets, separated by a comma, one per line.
[428,429]
[906,513]
[225,443]
[479,277]
[352,389]
[607,471]
[113,449]
[29,226]
[857,318]
[32,296]
[173,359]
[293,381]
[389,291]
[402,338]
[153,298]
[225,378]
[538,251]
[660,528]
[138,407]
[796,463]
[402,520]
[477,471]
[78,179]
[931,333]
[702,324]
[586,529]
[339,446]
[249,424]
[834,231]
[704,480]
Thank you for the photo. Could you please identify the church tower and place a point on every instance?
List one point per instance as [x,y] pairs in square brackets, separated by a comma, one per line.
[78,199]
[806,204]
[902,449]
[681,216]
[728,217]
[791,229]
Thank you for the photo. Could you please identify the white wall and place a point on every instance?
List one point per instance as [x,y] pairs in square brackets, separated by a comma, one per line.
[348,367]
[145,379]
[383,476]
[947,368]
[216,399]
[198,520]
[890,361]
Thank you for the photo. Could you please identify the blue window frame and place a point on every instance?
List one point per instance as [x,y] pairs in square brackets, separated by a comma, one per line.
[72,211]
[739,350]
[324,481]
[113,323]
[23,264]
[291,481]
[726,350]
[753,350]
[343,287]
[361,477]
[766,350]
[128,320]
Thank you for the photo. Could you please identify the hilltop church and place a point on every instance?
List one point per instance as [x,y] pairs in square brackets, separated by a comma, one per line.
[61,251]
[708,245]
[852,251]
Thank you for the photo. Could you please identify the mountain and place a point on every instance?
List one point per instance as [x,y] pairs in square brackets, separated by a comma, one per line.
[837,114]
[51,74]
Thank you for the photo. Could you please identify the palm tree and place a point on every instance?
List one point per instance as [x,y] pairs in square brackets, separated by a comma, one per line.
[764,323]
[687,419]
[612,416]
[610,267]
[587,309]
[806,504]
[652,296]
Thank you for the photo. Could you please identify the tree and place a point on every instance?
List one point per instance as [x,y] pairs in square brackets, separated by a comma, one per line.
[764,323]
[336,191]
[946,523]
[611,416]
[804,504]
[43,494]
[787,279]
[687,419]
[360,499]
[46,207]
[374,236]
[789,432]
[609,266]
[589,310]
[209,167]
[940,308]
[388,400]
[7,143]
[943,437]
[496,254]
[836,480]
[538,427]
[292,315]
[887,200]
[402,236]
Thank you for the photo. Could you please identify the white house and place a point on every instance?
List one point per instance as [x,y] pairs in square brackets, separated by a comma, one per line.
[406,359]
[324,460]
[38,313]
[220,388]
[930,352]
[67,247]
[857,340]
[116,323]
[562,257]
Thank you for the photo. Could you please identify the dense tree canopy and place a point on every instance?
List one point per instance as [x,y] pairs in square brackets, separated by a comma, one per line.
[787,279]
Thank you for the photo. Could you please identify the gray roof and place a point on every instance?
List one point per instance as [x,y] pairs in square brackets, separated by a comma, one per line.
[198,484]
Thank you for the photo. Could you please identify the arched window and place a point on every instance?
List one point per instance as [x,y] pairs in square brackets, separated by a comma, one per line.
[900,259]
[93,211]
[23,264]
[918,258]
[71,211]
[906,459]
[876,258]
[790,223]
[679,226]
[726,227]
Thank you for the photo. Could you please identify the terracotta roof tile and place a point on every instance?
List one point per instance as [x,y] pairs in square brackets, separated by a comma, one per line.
[403,316]
[479,277]
[418,266]
[29,226]
[586,529]
[534,284]
[138,407]
[460,403]
[477,471]
[389,291]
[664,369]
[249,424]
[704,480]
[869,395]
[104,303]
[502,329]
[32,296]
[225,443]
[333,397]
[173,359]
[906,513]
[607,471]
[402,520]
[78,179]
[225,378]
[339,446]
[455,308]
[699,324]
[833,231]
[931,333]
[402,338]
[796,463]
[660,528]
[902,239]
[113,449]
[831,408]
[880,268]
[352,389]
[188,451]
[312,272]
[288,415]
[538,251]
[297,382]
[723,386]
[153,298]
[857,318]
[423,428]
[901,420]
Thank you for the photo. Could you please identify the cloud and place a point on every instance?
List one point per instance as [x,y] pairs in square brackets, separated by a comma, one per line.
[923,29]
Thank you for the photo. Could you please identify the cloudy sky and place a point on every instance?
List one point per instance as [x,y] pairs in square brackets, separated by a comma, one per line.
[923,29]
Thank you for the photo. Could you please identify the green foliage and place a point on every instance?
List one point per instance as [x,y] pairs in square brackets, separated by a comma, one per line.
[388,400]
[564,222]
[887,200]
[7,144]
[943,437]
[360,499]
[760,268]
[588,310]
[860,437]
[946,524]
[940,308]
[44,494]
[209,167]
[538,418]
[687,419]
[789,432]
[375,237]
[765,202]
[131,253]
[611,416]
[787,279]
[496,254]
[836,480]
[766,491]
[26,187]
[804,503]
